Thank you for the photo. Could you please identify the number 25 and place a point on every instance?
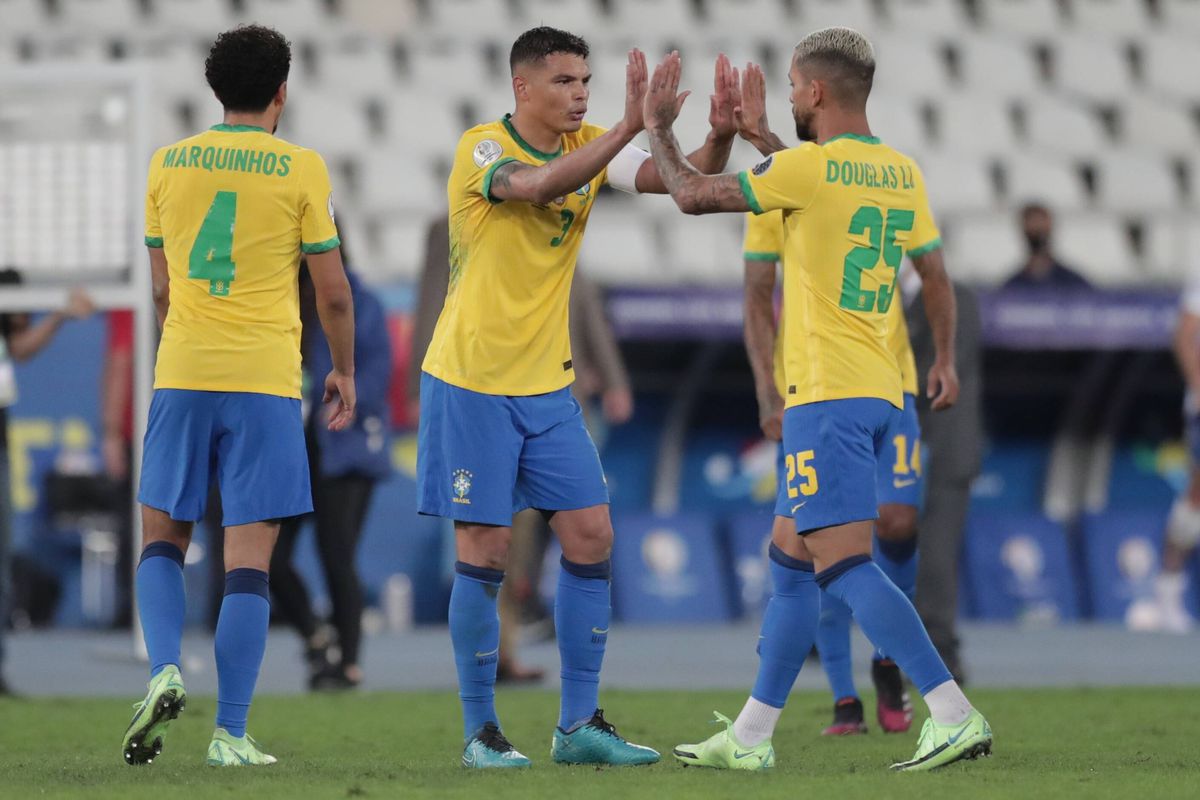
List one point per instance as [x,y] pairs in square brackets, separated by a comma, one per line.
[797,465]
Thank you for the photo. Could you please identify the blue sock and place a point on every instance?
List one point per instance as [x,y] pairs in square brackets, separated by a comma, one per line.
[240,642]
[161,603]
[475,633]
[887,618]
[582,611]
[898,560]
[833,643]
[788,628]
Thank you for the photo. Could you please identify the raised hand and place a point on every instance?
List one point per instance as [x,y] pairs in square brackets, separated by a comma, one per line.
[635,90]
[663,104]
[751,110]
[724,100]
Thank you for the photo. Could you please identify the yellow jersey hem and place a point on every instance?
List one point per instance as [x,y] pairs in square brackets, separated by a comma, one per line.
[241,388]
[317,248]
[472,386]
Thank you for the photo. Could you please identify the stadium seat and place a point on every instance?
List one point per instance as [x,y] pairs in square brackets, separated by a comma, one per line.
[752,16]
[458,70]
[200,17]
[960,183]
[1165,59]
[1182,16]
[969,124]
[101,16]
[998,67]
[943,18]
[1099,246]
[1164,243]
[1061,128]
[910,66]
[295,18]
[328,123]
[441,124]
[705,249]
[858,14]
[360,67]
[1113,17]
[474,20]
[1136,182]
[22,17]
[983,250]
[1091,68]
[401,248]
[380,19]
[897,122]
[620,248]
[1056,182]
[663,20]
[391,180]
[1150,124]
[1032,19]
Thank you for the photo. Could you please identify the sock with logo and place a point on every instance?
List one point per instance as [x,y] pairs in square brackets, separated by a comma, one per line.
[788,629]
[887,618]
[161,603]
[898,561]
[833,644]
[241,640]
[475,633]
[582,611]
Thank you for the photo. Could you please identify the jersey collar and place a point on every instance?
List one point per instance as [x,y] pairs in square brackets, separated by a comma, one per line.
[237,128]
[526,146]
[856,137]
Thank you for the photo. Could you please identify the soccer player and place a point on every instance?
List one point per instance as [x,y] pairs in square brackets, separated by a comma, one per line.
[898,481]
[852,207]
[228,213]
[1183,525]
[499,430]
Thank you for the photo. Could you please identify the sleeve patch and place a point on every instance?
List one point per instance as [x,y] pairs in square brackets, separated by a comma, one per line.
[486,152]
[761,167]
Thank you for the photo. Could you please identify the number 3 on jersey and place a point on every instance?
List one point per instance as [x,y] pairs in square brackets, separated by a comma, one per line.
[798,466]
[211,258]
[882,237]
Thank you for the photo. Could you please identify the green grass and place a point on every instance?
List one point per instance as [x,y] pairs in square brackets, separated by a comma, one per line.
[1080,743]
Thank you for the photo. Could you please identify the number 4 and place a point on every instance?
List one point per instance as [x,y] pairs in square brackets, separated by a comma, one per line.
[211,258]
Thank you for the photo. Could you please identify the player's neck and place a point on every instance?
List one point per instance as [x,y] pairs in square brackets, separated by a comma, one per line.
[259,119]
[535,133]
[841,124]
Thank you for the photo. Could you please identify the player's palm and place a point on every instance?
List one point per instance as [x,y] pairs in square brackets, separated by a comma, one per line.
[635,90]
[751,110]
[663,104]
[726,93]
[342,388]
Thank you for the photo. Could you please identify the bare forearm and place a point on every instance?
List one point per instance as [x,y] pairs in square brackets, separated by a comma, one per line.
[710,159]
[766,142]
[337,320]
[28,343]
[1187,348]
[940,309]
[118,371]
[565,174]
[692,191]
[758,332]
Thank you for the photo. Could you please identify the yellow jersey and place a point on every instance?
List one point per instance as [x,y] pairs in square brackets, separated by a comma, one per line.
[233,208]
[503,328]
[764,242]
[856,207]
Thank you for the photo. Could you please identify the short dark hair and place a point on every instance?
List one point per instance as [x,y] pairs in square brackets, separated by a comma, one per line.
[537,43]
[246,66]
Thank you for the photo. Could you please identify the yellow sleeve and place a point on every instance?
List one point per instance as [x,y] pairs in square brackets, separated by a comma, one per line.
[479,155]
[785,180]
[154,236]
[925,235]
[591,132]
[318,231]
[764,237]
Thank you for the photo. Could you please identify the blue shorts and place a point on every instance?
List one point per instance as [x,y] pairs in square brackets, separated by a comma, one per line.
[482,457]
[899,477]
[830,467]
[251,444]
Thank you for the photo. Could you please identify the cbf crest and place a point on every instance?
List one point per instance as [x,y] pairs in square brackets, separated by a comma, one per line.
[461,484]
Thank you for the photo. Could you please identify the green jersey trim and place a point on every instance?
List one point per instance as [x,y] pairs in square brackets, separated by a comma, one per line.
[754,255]
[856,137]
[925,248]
[154,241]
[320,247]
[487,180]
[526,146]
[223,128]
[748,192]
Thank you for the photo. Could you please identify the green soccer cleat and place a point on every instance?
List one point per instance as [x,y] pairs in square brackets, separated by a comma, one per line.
[488,749]
[722,751]
[233,751]
[940,745]
[597,742]
[164,701]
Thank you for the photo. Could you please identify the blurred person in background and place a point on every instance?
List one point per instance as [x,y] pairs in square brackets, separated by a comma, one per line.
[1183,524]
[116,449]
[344,467]
[21,338]
[1041,267]
[952,440]
[600,376]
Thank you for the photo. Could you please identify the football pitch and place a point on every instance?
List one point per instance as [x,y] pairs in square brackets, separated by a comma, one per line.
[1049,743]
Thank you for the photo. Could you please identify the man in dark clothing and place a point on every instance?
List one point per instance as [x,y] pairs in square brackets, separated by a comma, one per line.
[1042,267]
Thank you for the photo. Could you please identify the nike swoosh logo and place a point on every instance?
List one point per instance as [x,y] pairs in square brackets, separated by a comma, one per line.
[953,739]
[798,506]
[736,754]
[489,653]
[899,484]
[599,631]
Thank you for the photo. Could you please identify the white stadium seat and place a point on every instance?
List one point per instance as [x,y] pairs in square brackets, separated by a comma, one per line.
[620,248]
[475,20]
[911,67]
[392,179]
[928,17]
[1133,182]
[1165,242]
[750,16]
[705,249]
[969,124]
[401,248]
[1098,246]
[380,19]
[439,129]
[1063,129]
[1034,19]
[959,183]
[1168,63]
[360,67]
[328,123]
[897,122]
[1112,17]
[294,18]
[1091,68]
[101,16]
[22,17]
[1154,125]
[204,18]
[998,67]
[1053,181]
[655,19]
[983,249]
[1181,16]
[858,14]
